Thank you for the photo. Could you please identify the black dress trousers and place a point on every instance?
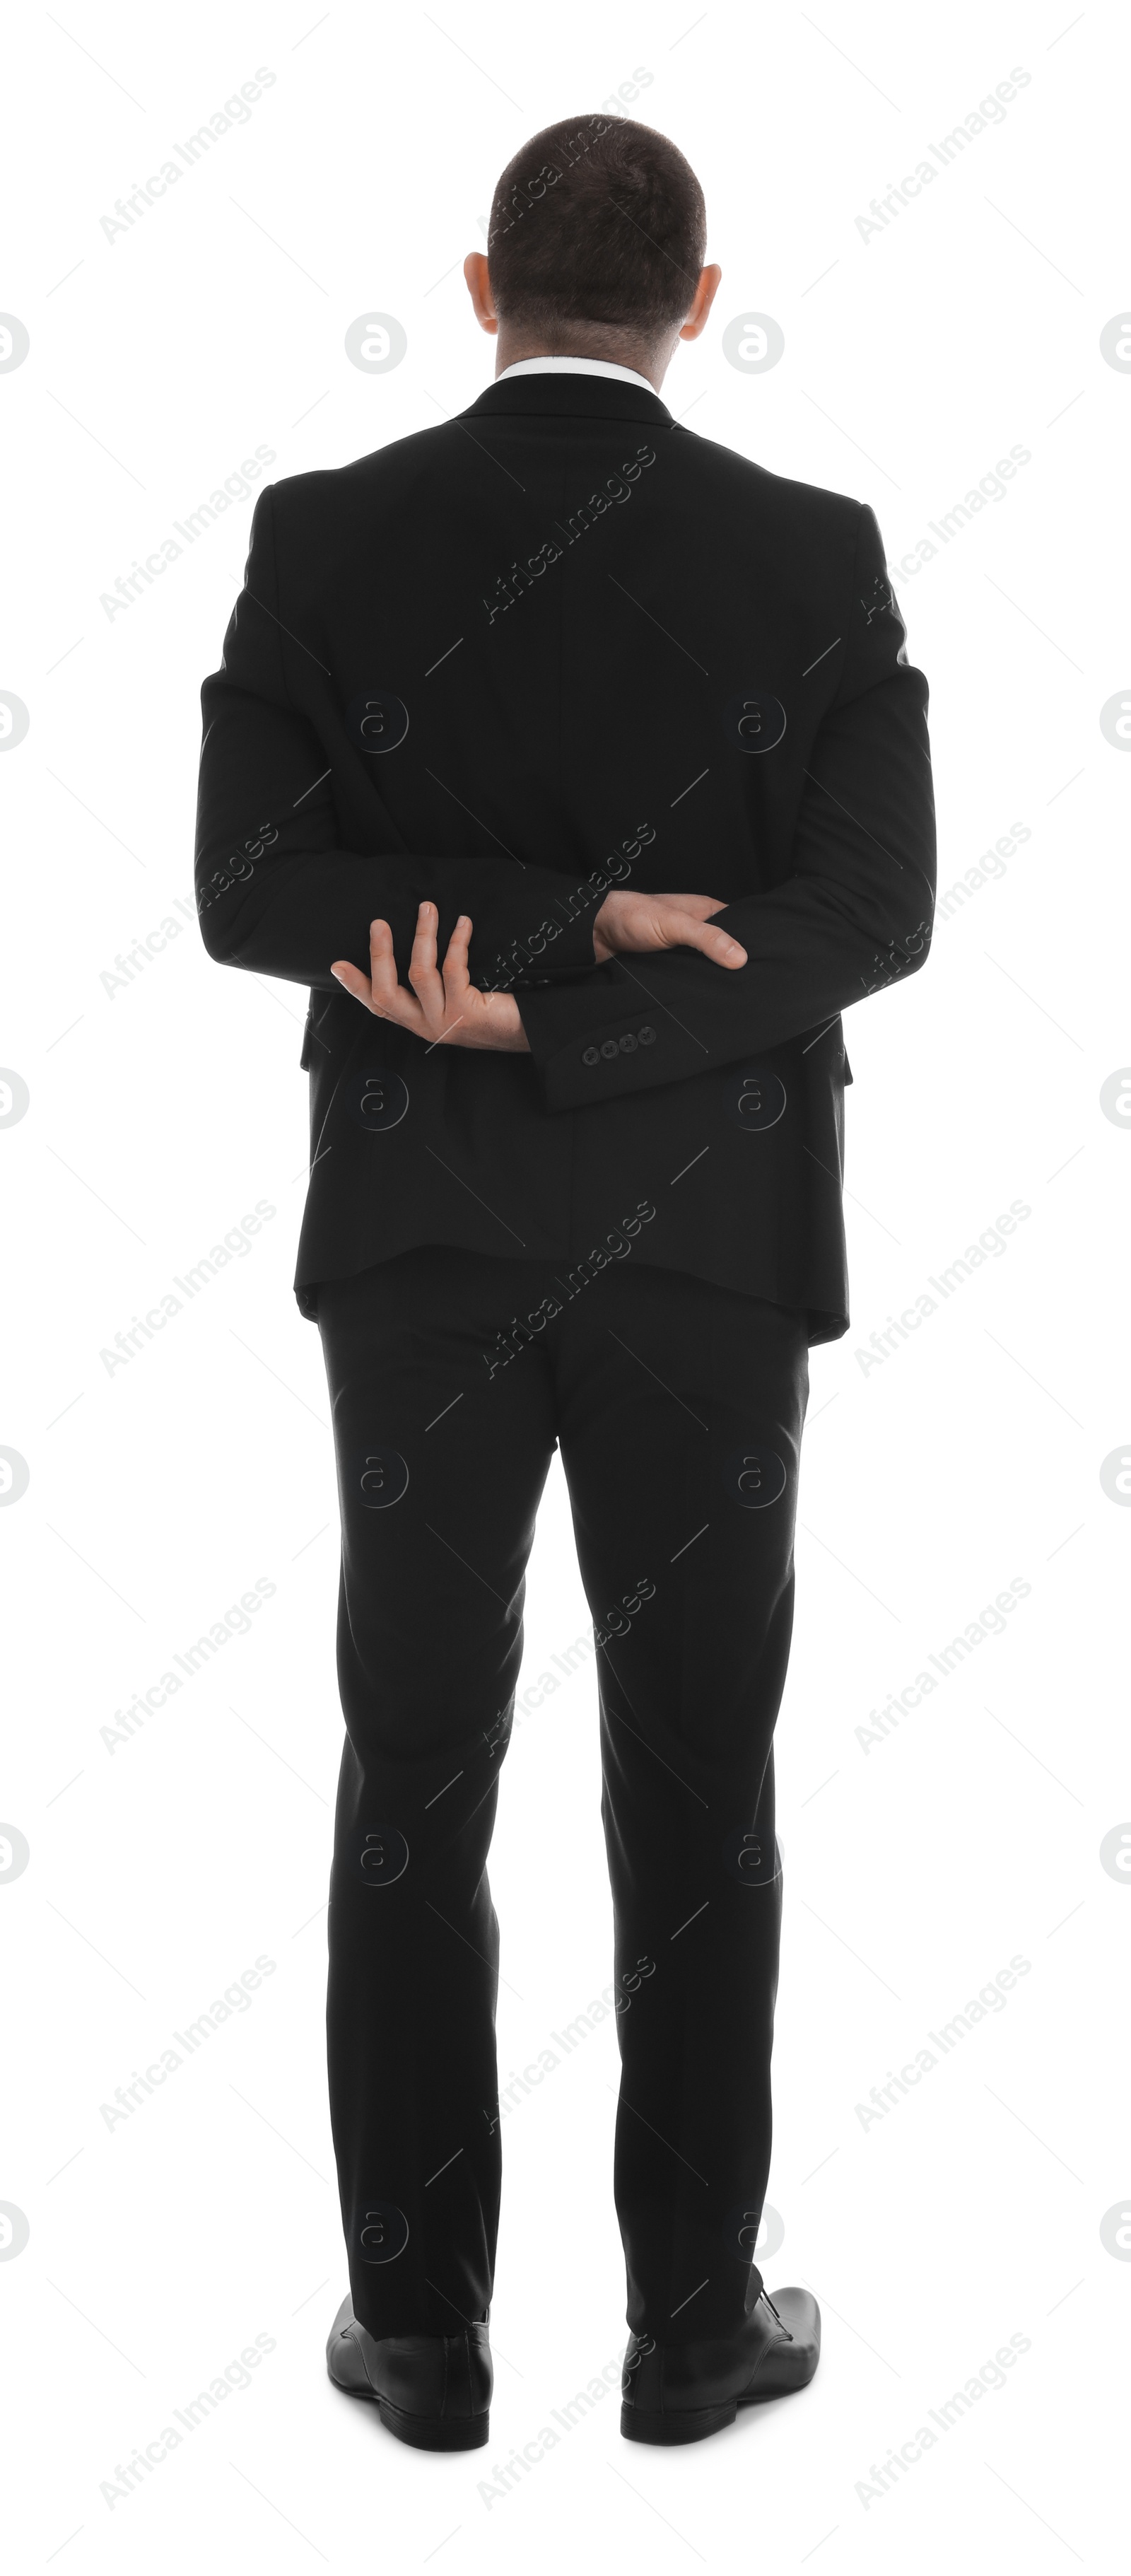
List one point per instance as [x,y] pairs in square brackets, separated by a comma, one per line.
[678,1407]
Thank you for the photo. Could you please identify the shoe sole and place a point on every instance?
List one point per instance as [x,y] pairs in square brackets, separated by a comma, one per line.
[466,2433]
[694,2424]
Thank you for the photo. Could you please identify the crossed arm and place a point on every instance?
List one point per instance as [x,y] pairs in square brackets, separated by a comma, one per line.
[853,914]
[442,1003]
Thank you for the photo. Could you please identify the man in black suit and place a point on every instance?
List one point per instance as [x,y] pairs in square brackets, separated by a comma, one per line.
[576,765]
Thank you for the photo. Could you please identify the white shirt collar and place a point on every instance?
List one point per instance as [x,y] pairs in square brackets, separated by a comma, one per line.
[575,367]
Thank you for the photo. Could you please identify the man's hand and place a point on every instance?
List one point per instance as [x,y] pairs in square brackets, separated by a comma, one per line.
[639,922]
[443,1005]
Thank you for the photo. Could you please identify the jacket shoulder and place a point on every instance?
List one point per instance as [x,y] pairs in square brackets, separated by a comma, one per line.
[386,473]
[781,494]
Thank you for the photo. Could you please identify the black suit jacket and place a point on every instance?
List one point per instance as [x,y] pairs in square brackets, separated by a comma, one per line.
[556,645]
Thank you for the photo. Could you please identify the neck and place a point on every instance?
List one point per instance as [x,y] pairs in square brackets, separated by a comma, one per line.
[613,349]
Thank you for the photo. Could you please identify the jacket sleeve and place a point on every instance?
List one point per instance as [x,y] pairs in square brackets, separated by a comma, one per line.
[276,891]
[853,914]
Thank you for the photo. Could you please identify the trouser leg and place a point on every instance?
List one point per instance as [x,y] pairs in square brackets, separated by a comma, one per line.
[439,1475]
[681,1409]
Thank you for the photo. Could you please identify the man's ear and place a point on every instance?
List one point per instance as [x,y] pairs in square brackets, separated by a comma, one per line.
[710,280]
[478,277]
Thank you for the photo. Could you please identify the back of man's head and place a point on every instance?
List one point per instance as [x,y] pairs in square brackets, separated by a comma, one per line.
[598,227]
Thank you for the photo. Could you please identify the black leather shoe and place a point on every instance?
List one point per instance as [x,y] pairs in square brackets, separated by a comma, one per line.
[431,2390]
[682,2392]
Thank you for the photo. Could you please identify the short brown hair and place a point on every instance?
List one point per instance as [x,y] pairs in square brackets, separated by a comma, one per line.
[597,219]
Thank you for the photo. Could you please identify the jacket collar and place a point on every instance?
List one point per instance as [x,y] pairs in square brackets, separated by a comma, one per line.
[570,397]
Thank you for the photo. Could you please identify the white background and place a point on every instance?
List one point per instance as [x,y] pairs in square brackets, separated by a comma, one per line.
[917,1866]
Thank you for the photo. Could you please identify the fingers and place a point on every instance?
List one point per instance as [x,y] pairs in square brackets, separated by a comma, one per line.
[372,988]
[385,992]
[423,969]
[718,945]
[648,921]
[456,973]
[379,990]
[660,922]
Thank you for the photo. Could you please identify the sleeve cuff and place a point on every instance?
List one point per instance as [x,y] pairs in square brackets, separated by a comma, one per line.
[603,1040]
